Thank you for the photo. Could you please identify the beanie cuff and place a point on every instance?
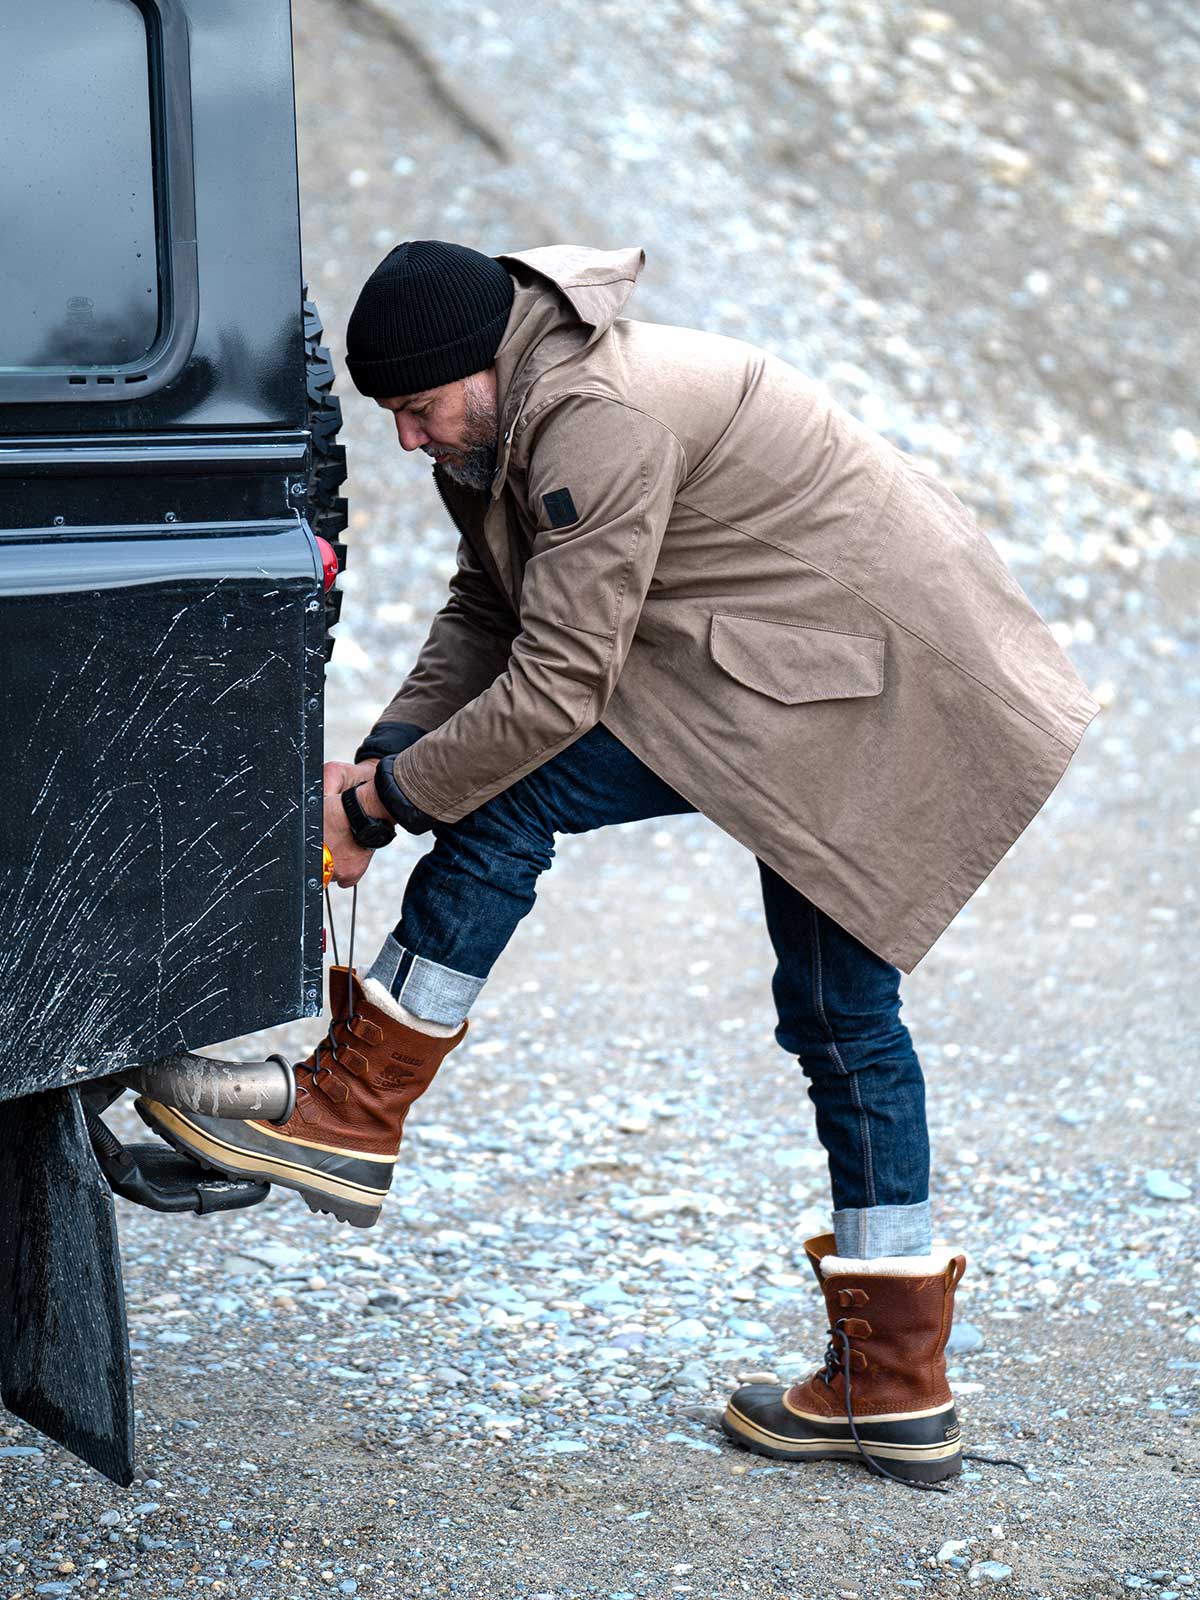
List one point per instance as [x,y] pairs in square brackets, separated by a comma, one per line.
[402,375]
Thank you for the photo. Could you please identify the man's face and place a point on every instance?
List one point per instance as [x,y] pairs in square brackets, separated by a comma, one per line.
[456,425]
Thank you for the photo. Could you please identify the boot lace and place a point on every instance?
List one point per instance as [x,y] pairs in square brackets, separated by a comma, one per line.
[329,1043]
[839,1358]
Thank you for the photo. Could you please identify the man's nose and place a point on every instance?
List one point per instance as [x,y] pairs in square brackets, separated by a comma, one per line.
[410,433]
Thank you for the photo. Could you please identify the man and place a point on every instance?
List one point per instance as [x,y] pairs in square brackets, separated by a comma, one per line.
[687,581]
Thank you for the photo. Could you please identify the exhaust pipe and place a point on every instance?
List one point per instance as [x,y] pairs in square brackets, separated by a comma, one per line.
[265,1090]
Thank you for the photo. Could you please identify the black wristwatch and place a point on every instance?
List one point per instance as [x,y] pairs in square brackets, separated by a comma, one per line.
[369,832]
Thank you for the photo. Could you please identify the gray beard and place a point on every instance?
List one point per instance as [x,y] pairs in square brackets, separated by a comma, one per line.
[475,469]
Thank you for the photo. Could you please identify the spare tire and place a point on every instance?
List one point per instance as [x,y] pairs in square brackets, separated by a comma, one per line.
[323,508]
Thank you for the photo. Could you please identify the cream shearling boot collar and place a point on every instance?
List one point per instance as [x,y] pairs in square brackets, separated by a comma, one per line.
[890,1266]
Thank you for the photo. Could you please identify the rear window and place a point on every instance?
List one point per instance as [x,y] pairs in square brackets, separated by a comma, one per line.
[78,255]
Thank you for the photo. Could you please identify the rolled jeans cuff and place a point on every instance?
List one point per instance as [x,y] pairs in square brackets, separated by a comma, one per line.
[884,1231]
[426,988]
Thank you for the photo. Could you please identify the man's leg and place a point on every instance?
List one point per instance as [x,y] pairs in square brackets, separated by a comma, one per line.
[465,897]
[839,1012]
[391,1031]
[882,1394]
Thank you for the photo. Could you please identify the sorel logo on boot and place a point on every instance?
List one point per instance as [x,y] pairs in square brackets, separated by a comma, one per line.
[411,1061]
[391,1080]
[951,1432]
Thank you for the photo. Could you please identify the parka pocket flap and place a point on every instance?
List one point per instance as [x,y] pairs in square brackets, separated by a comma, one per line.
[793,663]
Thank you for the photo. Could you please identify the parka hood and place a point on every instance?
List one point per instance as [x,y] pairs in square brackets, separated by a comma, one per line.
[562,291]
[597,283]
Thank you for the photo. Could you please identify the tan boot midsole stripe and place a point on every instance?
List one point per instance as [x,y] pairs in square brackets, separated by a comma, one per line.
[886,1452]
[883,1416]
[313,1179]
[286,1139]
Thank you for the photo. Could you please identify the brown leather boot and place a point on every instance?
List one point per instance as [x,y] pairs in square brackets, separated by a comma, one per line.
[882,1395]
[338,1148]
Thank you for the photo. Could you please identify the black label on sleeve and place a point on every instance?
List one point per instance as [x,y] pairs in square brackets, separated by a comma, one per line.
[560,508]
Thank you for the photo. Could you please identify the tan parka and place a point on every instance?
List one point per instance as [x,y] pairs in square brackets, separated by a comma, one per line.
[784,616]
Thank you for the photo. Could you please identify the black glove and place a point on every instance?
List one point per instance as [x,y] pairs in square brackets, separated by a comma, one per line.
[397,803]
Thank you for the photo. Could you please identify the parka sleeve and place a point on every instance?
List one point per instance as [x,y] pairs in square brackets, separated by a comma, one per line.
[601,480]
[466,649]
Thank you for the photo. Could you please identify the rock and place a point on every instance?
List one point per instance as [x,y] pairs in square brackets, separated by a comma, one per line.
[557,1444]
[694,1375]
[988,1572]
[688,1330]
[633,1122]
[646,1206]
[386,1301]
[692,1444]
[1162,1186]
[449,1377]
[274,1253]
[795,1361]
[19,1450]
[605,1294]
[748,1328]
[950,1547]
[239,1267]
[1009,164]
[964,1337]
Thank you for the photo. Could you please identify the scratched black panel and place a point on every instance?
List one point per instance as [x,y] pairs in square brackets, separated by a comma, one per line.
[64,1351]
[161,723]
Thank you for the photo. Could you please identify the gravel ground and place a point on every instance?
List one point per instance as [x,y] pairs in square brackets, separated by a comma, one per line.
[986,226]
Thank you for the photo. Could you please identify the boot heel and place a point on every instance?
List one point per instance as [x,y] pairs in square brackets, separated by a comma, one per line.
[358,1216]
[925,1471]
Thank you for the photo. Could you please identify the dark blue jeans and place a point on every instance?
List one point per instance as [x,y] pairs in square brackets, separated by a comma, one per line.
[838,1004]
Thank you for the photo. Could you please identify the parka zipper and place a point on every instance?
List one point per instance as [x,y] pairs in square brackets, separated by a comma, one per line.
[486,565]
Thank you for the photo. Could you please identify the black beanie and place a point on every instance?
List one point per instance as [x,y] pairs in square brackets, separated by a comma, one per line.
[429,314]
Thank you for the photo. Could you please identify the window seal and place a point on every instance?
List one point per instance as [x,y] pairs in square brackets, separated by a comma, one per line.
[169,64]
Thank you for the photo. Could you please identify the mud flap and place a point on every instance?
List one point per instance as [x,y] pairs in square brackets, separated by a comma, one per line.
[64,1345]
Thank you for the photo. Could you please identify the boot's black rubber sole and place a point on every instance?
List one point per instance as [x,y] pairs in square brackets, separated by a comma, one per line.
[330,1183]
[925,1447]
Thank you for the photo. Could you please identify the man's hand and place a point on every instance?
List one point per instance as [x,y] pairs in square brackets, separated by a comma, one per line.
[350,860]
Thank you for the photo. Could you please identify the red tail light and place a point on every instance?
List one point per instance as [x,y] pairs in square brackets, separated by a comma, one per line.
[329,562]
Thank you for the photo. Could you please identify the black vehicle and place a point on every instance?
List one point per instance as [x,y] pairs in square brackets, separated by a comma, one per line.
[169,527]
